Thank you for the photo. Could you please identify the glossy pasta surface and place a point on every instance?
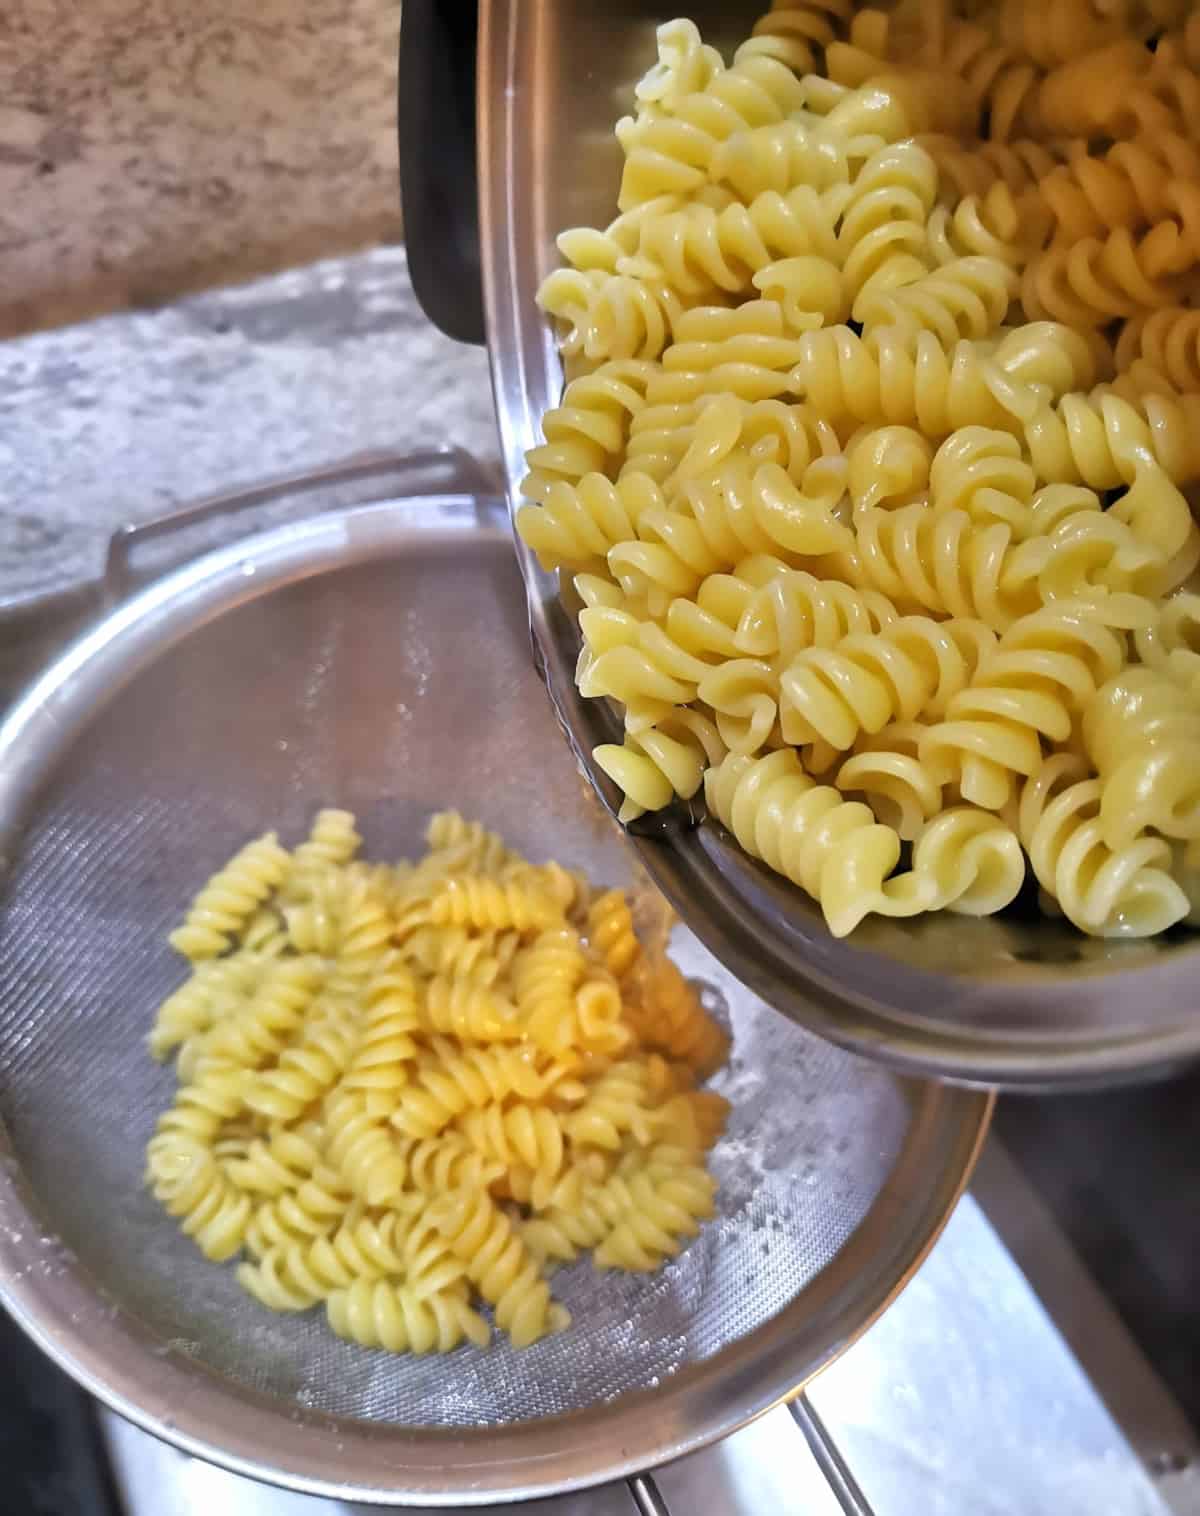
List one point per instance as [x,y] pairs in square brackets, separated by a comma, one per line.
[877,466]
[407,1092]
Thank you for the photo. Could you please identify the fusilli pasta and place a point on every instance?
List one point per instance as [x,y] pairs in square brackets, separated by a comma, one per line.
[914,286]
[387,1055]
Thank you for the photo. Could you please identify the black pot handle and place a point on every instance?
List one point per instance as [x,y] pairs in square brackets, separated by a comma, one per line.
[438,175]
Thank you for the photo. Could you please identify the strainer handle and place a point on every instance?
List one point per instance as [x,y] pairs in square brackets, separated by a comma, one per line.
[647,1497]
[828,1458]
[432,471]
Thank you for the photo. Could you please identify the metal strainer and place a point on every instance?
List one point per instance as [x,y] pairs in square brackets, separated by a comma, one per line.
[377,658]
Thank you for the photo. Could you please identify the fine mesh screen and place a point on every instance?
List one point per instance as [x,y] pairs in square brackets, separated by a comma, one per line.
[391,689]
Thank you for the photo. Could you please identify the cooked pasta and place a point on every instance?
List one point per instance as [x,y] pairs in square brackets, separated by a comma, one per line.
[899,482]
[230,898]
[405,1089]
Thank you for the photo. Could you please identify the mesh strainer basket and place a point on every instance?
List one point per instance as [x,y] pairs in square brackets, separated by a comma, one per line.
[378,658]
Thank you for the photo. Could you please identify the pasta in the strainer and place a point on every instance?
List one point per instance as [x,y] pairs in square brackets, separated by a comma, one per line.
[402,1097]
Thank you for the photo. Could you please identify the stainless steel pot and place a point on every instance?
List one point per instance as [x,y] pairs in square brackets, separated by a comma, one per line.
[1020,1001]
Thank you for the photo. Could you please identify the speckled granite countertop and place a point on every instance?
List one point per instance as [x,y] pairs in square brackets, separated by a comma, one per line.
[121,418]
[152,146]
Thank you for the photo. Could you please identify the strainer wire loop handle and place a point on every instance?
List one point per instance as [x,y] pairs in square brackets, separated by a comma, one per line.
[430,471]
[647,1496]
[828,1458]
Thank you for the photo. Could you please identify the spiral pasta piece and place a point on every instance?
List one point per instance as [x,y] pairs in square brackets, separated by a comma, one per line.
[739,510]
[456,844]
[610,315]
[661,762]
[993,225]
[886,771]
[471,1012]
[1002,83]
[833,849]
[461,1079]
[459,953]
[929,562]
[1092,280]
[275,1165]
[560,1233]
[699,251]
[304,1072]
[646,664]
[901,377]
[526,1134]
[1128,185]
[973,168]
[966,298]
[384,1313]
[332,842]
[297,1277]
[1045,670]
[795,30]
[230,899]
[673,153]
[1169,341]
[500,1266]
[259,1030]
[187,1181]
[776,158]
[1052,34]
[588,430]
[446,1162]
[619,1102]
[655,1210]
[1126,892]
[1171,643]
[313,1209]
[1141,733]
[914,666]
[974,860]
[385,1047]
[213,989]
[748,351]
[881,239]
[610,933]
[545,977]
[577,524]
[794,610]
[1102,440]
[983,473]
[669,1017]
[488,904]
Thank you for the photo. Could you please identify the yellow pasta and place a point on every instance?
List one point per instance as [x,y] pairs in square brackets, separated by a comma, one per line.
[387,1314]
[230,898]
[923,374]
[403,1088]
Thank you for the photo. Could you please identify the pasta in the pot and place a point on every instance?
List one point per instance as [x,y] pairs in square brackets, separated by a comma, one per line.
[872,469]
